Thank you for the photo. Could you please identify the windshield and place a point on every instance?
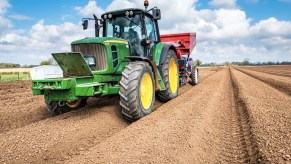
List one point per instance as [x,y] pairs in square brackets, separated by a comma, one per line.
[123,26]
[128,28]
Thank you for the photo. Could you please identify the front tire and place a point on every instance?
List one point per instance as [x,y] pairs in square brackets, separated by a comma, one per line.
[170,76]
[137,90]
[60,107]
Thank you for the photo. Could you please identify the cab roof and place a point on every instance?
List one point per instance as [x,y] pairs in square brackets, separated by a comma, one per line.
[116,12]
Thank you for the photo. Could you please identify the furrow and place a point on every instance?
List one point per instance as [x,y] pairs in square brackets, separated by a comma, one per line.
[276,72]
[280,86]
[244,123]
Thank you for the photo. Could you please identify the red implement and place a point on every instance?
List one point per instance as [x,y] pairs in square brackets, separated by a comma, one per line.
[184,42]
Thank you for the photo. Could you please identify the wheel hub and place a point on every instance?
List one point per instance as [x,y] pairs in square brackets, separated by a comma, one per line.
[73,104]
[173,76]
[146,91]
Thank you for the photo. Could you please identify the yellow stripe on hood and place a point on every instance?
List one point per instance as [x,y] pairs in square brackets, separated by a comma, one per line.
[116,41]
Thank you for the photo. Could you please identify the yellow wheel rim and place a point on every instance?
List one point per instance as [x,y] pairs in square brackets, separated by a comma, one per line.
[146,91]
[173,76]
[73,104]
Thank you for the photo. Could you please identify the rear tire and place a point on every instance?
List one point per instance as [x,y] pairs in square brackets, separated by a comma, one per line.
[194,76]
[170,76]
[60,107]
[137,90]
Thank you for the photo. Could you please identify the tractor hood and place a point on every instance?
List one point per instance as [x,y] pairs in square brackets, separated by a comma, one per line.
[102,40]
[73,64]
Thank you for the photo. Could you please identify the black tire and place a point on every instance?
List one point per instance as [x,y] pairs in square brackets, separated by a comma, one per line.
[130,98]
[194,76]
[168,94]
[60,107]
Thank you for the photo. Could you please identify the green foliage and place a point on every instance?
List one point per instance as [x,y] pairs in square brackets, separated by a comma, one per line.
[9,65]
[14,76]
[44,63]
[198,62]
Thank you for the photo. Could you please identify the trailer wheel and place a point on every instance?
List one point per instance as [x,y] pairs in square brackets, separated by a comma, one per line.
[59,107]
[194,76]
[137,90]
[170,76]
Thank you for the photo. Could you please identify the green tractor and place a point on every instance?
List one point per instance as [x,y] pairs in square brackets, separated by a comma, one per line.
[129,60]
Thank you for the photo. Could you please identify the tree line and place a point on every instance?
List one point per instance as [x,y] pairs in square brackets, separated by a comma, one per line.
[13,65]
[246,62]
[9,65]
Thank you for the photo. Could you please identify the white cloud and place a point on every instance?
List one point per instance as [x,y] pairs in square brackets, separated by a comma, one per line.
[277,41]
[4,22]
[19,17]
[253,1]
[40,41]
[89,9]
[271,27]
[66,17]
[173,12]
[4,6]
[229,4]
[116,4]
[181,17]
[225,24]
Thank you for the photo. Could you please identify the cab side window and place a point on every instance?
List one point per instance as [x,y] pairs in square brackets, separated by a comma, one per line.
[150,30]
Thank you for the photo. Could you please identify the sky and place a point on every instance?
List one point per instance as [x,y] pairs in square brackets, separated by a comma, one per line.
[227,30]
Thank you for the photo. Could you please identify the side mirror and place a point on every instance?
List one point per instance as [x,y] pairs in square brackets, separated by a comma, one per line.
[85,24]
[156,14]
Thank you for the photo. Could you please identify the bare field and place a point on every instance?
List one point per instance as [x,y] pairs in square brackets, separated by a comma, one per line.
[281,70]
[234,115]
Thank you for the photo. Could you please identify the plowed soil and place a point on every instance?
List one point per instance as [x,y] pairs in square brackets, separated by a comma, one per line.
[234,115]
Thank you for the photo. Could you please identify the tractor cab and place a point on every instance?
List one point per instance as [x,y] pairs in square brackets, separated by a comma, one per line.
[138,27]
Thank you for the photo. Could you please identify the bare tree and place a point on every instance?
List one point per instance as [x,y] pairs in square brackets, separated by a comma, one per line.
[198,62]
[226,63]
[246,61]
[52,61]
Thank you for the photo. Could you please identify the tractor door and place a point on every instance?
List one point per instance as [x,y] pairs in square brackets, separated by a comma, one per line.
[151,33]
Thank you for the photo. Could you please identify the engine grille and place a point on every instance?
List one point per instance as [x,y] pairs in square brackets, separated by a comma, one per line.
[96,50]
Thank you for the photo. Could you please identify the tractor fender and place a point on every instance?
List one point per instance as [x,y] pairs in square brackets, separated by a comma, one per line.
[152,65]
[164,52]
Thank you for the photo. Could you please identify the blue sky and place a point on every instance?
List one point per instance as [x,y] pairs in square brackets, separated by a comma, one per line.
[53,10]
[227,30]
[260,9]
